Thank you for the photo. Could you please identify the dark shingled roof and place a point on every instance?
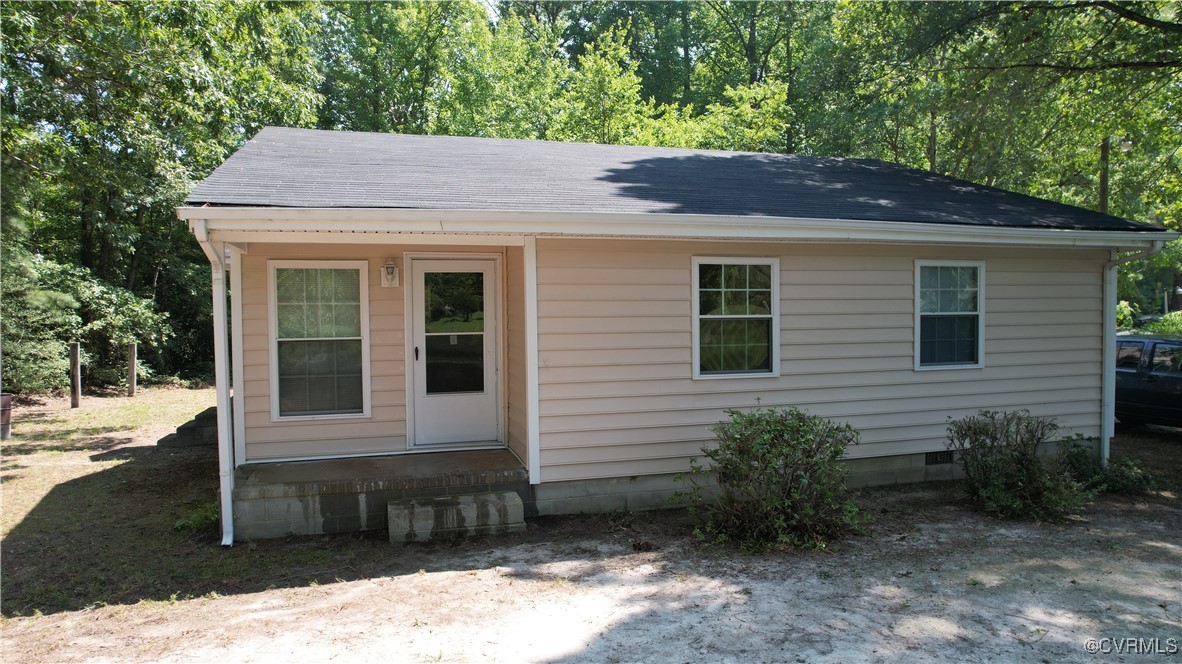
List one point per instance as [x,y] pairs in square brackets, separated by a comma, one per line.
[284,167]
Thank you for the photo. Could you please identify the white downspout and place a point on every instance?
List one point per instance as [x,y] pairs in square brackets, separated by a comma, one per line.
[214,252]
[1108,378]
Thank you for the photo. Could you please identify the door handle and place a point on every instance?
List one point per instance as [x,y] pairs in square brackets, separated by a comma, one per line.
[416,353]
[1151,379]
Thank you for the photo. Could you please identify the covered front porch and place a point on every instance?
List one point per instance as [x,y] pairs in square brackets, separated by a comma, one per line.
[351,494]
[368,368]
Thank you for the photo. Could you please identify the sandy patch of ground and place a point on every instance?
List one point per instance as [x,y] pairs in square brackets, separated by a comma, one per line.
[93,570]
[931,581]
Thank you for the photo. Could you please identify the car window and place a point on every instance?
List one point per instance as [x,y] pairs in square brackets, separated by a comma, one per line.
[1128,355]
[1167,358]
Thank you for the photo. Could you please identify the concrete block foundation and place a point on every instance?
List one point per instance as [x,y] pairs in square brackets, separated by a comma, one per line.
[421,496]
[450,517]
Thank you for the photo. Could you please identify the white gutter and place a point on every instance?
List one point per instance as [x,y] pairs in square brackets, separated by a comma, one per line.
[215,253]
[1108,378]
[245,224]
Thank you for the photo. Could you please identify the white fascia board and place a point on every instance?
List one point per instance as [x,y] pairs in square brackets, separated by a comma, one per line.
[245,224]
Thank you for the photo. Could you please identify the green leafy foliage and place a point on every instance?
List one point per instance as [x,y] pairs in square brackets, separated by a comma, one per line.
[36,322]
[503,83]
[602,103]
[114,109]
[1151,284]
[1169,325]
[780,480]
[1123,475]
[46,305]
[1126,315]
[1004,471]
[111,111]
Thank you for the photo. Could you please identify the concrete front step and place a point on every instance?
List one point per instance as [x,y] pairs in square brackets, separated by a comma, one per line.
[450,517]
[200,431]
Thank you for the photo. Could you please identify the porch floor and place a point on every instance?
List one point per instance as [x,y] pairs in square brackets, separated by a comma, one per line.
[346,495]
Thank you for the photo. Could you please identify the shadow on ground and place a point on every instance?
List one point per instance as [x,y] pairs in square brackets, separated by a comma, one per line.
[109,538]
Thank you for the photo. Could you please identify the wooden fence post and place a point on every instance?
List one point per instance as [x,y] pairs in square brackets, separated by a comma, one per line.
[75,374]
[131,375]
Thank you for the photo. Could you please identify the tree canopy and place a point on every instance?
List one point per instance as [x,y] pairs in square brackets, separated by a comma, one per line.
[113,110]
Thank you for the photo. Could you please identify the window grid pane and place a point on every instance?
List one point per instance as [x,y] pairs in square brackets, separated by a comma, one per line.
[948,340]
[319,345]
[318,303]
[948,289]
[949,315]
[320,377]
[735,318]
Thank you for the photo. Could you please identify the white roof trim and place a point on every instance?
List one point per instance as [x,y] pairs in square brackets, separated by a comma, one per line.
[262,224]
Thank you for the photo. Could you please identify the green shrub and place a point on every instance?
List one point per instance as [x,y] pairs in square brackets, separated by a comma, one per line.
[1126,476]
[1005,474]
[1123,475]
[779,480]
[1169,325]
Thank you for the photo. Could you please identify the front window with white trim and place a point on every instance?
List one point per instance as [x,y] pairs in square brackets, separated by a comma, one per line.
[949,325]
[319,350]
[736,313]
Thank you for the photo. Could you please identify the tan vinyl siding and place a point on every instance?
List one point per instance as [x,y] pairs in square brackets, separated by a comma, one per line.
[385,429]
[617,397]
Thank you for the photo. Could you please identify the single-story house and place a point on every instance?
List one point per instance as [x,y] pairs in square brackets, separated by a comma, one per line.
[399,315]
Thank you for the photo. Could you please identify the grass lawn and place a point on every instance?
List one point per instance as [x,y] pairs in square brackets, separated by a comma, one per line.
[91,508]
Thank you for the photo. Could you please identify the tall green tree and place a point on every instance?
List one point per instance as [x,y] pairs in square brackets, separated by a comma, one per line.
[505,82]
[602,103]
[112,110]
[383,63]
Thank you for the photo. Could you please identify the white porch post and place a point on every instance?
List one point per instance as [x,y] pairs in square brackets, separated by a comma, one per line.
[1108,354]
[1108,364]
[239,371]
[532,413]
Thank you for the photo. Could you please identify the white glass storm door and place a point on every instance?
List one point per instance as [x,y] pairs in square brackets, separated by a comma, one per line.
[453,353]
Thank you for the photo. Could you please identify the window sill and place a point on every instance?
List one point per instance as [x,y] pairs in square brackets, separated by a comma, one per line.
[948,367]
[278,419]
[735,376]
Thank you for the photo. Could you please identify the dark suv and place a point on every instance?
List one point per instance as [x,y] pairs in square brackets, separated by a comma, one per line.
[1149,380]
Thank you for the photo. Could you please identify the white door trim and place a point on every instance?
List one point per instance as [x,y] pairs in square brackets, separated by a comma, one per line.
[497,281]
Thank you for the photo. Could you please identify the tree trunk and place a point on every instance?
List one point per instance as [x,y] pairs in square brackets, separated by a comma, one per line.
[932,139]
[753,73]
[136,249]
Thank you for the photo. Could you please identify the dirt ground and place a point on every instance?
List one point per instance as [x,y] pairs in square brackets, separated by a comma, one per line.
[931,580]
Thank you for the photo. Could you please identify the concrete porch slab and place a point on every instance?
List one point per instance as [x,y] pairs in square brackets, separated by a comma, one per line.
[349,495]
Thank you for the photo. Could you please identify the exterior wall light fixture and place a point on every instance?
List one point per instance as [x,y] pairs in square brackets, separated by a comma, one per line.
[389,274]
